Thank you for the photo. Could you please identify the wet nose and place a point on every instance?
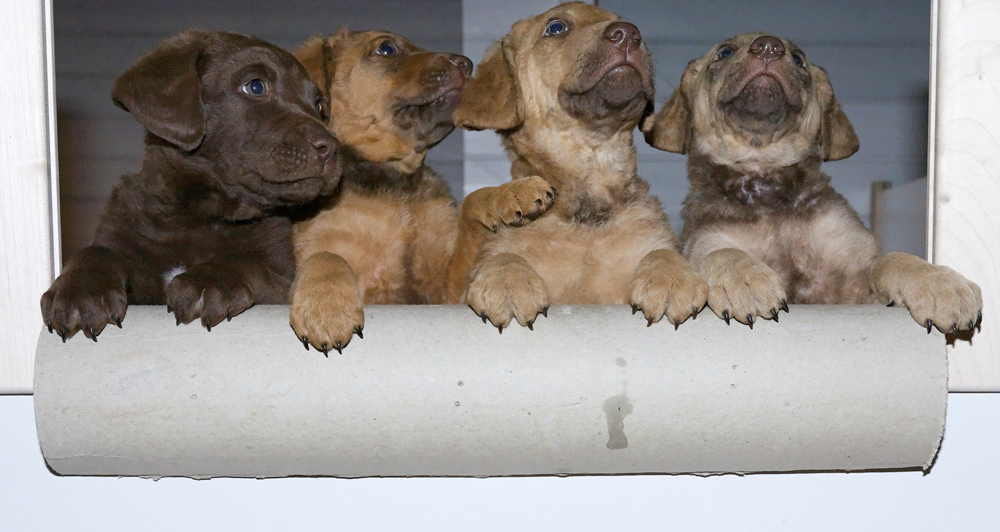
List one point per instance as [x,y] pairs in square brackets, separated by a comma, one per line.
[463,63]
[767,48]
[324,144]
[623,35]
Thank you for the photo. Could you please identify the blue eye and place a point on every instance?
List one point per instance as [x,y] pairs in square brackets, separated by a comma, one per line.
[319,106]
[386,48]
[255,87]
[725,52]
[798,59]
[556,27]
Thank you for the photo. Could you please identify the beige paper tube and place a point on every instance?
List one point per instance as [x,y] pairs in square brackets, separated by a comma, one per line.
[434,391]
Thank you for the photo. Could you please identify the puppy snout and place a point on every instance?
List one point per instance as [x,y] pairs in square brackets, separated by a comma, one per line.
[463,63]
[324,144]
[767,48]
[623,35]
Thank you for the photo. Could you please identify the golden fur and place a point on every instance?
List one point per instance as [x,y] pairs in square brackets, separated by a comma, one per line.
[761,222]
[389,236]
[565,90]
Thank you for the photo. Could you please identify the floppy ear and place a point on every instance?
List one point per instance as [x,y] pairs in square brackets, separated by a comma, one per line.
[163,90]
[490,99]
[311,55]
[836,135]
[670,130]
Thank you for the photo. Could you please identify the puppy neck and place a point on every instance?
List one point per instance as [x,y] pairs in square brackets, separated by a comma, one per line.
[363,175]
[743,194]
[592,172]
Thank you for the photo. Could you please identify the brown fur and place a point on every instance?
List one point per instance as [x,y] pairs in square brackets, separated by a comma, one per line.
[761,222]
[565,106]
[390,235]
[203,227]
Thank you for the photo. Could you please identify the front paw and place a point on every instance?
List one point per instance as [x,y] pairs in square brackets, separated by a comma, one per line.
[86,300]
[326,305]
[513,204]
[741,287]
[505,287]
[937,296]
[211,291]
[666,285]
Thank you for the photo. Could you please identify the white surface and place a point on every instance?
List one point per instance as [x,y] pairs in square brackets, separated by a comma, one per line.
[966,175]
[960,493]
[432,391]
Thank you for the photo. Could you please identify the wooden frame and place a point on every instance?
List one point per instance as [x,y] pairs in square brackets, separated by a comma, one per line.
[964,181]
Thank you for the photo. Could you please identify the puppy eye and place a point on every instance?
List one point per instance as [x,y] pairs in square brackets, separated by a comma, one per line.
[255,87]
[798,59]
[556,27]
[725,52]
[386,49]
[320,107]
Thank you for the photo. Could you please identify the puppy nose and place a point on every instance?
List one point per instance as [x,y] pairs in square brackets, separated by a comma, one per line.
[767,48]
[463,63]
[623,34]
[325,145]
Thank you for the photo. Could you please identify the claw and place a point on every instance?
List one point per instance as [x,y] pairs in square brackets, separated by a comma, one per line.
[539,202]
[305,342]
[554,190]
[339,348]
[649,322]
[774,315]
[358,331]
[676,324]
[169,310]
[954,328]
[483,316]
[891,304]
[545,312]
[62,334]
[229,315]
[49,325]
[325,349]
[725,316]
[929,325]
[494,228]
[694,313]
[635,308]
[531,325]
[750,320]
[548,194]
[972,325]
[784,305]
[500,328]
[178,321]
[118,322]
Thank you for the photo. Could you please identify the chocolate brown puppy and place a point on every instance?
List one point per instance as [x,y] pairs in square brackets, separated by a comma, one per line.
[761,222]
[392,234]
[235,139]
[564,90]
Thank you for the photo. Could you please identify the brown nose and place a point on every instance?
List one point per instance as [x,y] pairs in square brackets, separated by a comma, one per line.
[324,144]
[767,48]
[463,63]
[623,35]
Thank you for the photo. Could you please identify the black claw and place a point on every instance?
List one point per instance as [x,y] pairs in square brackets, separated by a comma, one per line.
[325,349]
[725,316]
[500,328]
[305,342]
[229,315]
[929,325]
[169,310]
[483,316]
[750,320]
[358,331]
[539,202]
[548,194]
[649,322]
[519,215]
[774,315]
[494,228]
[49,325]
[694,313]
[784,305]
[209,327]
[891,304]
[531,325]
[545,312]
[676,325]
[178,321]
[339,348]
[972,325]
[118,322]
[555,190]
[93,335]
[954,328]
[62,334]
[635,308]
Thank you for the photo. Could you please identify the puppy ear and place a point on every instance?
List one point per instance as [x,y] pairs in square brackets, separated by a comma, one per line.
[311,55]
[163,90]
[490,99]
[670,130]
[836,135]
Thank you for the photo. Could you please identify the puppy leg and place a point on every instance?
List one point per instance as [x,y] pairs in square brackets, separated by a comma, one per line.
[326,304]
[936,295]
[506,287]
[485,210]
[666,285]
[89,294]
[741,287]
[212,291]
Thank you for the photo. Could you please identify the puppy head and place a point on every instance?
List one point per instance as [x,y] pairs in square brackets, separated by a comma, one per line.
[240,107]
[390,100]
[755,101]
[574,67]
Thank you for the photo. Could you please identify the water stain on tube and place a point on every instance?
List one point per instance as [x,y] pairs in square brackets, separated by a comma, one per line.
[615,409]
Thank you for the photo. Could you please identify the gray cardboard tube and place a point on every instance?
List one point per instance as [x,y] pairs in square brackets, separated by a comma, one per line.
[432,391]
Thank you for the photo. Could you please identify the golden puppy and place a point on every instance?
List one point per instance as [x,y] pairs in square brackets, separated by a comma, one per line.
[761,222]
[389,235]
[565,89]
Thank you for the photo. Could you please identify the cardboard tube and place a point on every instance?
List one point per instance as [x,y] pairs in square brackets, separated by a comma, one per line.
[432,391]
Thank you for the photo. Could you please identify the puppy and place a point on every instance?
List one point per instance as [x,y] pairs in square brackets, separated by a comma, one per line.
[392,234]
[761,221]
[565,90]
[235,137]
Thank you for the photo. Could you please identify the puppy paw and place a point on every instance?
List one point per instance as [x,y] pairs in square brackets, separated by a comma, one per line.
[514,203]
[666,285]
[937,296]
[505,287]
[741,287]
[84,300]
[211,291]
[326,305]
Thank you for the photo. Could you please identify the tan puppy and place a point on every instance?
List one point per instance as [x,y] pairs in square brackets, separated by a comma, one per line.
[565,90]
[761,222]
[389,235]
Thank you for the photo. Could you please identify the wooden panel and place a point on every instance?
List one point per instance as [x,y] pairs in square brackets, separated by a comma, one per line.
[26,232]
[965,230]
